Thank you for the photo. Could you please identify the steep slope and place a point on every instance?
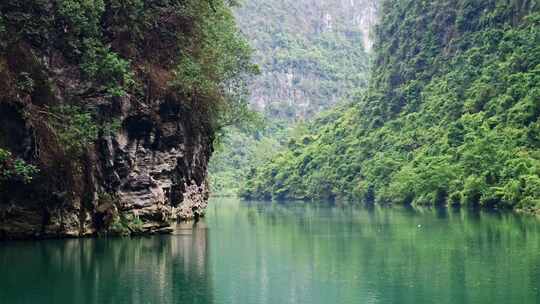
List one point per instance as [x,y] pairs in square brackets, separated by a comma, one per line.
[312,53]
[108,111]
[451,115]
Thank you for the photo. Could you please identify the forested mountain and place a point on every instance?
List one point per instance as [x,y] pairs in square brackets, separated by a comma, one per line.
[351,151]
[109,109]
[451,115]
[312,53]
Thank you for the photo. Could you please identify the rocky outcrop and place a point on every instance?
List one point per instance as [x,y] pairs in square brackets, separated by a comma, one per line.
[157,165]
[108,111]
[141,179]
[145,166]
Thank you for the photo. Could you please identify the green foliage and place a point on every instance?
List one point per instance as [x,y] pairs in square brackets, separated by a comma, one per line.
[110,72]
[15,169]
[84,40]
[77,128]
[215,74]
[189,50]
[241,147]
[307,65]
[117,223]
[81,20]
[126,225]
[451,115]
[76,29]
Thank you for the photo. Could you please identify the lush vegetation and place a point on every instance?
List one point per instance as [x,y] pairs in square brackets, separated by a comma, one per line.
[64,65]
[309,60]
[252,144]
[451,116]
[15,169]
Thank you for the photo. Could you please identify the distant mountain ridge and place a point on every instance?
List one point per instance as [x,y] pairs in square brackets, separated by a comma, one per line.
[312,52]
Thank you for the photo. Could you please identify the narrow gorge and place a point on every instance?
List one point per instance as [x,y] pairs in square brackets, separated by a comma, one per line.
[269,151]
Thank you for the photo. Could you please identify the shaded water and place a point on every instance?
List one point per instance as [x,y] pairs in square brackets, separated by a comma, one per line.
[290,253]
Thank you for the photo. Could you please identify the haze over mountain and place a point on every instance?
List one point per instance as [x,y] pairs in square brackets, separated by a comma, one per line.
[312,52]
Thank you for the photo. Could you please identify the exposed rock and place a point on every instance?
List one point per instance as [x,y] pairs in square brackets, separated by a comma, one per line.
[298,87]
[152,170]
[142,177]
[108,112]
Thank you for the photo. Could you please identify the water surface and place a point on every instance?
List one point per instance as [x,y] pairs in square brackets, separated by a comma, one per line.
[250,252]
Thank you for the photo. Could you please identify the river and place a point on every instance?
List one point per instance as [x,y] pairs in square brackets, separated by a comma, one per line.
[256,252]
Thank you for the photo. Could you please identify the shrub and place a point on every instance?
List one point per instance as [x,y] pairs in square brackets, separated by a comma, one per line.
[15,169]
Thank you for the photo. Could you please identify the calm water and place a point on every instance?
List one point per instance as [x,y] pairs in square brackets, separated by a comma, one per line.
[290,253]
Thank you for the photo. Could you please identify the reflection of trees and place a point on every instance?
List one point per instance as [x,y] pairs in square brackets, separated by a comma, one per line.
[161,269]
[309,251]
[294,253]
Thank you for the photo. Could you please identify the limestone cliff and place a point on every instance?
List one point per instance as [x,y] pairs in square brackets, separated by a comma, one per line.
[114,106]
[149,173]
[313,53]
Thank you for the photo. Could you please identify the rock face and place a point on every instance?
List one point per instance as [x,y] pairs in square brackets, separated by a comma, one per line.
[139,177]
[147,175]
[312,53]
[108,111]
[157,165]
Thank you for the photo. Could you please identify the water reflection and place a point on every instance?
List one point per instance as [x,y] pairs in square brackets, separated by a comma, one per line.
[255,252]
[315,253]
[160,269]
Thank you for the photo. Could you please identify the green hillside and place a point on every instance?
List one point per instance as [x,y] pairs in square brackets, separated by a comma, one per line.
[312,55]
[451,115]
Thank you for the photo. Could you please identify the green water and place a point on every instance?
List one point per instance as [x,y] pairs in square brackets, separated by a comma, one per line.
[290,253]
